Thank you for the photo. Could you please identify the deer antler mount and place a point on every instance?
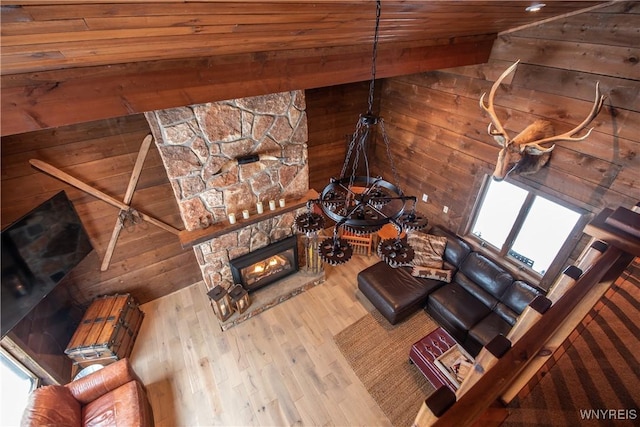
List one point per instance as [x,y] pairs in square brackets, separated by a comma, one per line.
[529,151]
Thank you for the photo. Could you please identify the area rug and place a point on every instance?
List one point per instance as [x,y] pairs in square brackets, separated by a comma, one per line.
[379,354]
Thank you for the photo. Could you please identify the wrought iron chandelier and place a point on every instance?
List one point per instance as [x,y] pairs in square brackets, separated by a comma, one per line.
[362,204]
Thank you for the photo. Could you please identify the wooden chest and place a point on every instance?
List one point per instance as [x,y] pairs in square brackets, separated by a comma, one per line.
[107,331]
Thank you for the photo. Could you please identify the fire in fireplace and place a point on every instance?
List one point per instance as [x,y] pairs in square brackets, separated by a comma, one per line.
[266,265]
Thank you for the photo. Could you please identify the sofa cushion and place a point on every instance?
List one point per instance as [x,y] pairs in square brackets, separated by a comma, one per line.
[476,290]
[505,312]
[456,250]
[52,405]
[459,307]
[393,291]
[124,406]
[428,249]
[515,300]
[488,328]
[519,295]
[94,385]
[487,274]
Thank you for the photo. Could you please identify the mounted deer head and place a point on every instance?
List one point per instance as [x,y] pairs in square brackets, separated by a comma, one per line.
[525,153]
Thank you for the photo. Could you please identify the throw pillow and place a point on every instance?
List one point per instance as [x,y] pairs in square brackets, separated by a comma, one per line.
[432,273]
[428,248]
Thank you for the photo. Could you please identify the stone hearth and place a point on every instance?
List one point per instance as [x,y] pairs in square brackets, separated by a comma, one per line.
[270,296]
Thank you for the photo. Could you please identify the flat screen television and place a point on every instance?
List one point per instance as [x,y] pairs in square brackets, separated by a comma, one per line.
[38,251]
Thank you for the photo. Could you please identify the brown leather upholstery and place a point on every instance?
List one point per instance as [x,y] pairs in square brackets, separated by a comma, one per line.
[393,291]
[114,407]
[111,396]
[52,405]
[482,300]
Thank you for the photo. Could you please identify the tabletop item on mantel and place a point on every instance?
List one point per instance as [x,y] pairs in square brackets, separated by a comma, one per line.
[107,331]
[190,238]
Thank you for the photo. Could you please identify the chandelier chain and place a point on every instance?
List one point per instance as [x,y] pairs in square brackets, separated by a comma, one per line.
[388,148]
[374,56]
[352,144]
[359,203]
[361,146]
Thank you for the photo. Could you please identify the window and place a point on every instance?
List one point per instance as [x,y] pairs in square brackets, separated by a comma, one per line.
[17,383]
[526,228]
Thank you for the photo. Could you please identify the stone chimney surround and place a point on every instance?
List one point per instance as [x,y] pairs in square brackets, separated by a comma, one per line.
[196,141]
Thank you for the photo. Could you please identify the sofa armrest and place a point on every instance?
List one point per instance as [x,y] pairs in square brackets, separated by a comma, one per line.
[98,383]
[51,405]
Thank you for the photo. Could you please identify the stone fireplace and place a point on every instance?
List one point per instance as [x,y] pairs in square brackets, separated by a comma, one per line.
[196,141]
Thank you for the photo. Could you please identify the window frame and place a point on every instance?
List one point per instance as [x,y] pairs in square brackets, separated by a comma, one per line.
[516,267]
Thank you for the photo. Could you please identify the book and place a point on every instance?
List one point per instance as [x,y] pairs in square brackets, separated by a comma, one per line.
[455,364]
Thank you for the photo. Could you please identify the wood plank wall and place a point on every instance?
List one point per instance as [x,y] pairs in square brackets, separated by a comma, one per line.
[332,114]
[148,262]
[439,133]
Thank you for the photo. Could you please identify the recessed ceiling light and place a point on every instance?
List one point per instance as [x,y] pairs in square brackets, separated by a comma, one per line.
[535,7]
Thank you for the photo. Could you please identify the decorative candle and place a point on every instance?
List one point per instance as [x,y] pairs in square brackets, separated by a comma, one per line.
[232,218]
[281,201]
[272,205]
[259,207]
[245,214]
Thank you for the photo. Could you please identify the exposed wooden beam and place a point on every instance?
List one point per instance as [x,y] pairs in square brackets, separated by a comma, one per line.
[49,99]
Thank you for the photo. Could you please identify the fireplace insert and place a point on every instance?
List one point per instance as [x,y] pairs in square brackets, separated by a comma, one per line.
[266,265]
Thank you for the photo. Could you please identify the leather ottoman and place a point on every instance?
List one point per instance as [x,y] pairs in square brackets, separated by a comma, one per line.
[424,352]
[394,291]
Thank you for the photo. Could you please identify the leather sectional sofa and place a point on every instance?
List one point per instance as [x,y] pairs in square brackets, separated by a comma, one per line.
[481,301]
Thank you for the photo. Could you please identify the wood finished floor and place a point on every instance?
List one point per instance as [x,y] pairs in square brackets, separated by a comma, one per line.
[279,368]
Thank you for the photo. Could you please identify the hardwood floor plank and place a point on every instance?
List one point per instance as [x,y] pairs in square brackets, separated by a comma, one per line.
[280,367]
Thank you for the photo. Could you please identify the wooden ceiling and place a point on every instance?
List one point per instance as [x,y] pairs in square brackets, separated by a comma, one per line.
[70,61]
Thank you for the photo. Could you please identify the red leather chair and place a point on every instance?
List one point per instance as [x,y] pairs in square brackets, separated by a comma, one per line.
[111,396]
